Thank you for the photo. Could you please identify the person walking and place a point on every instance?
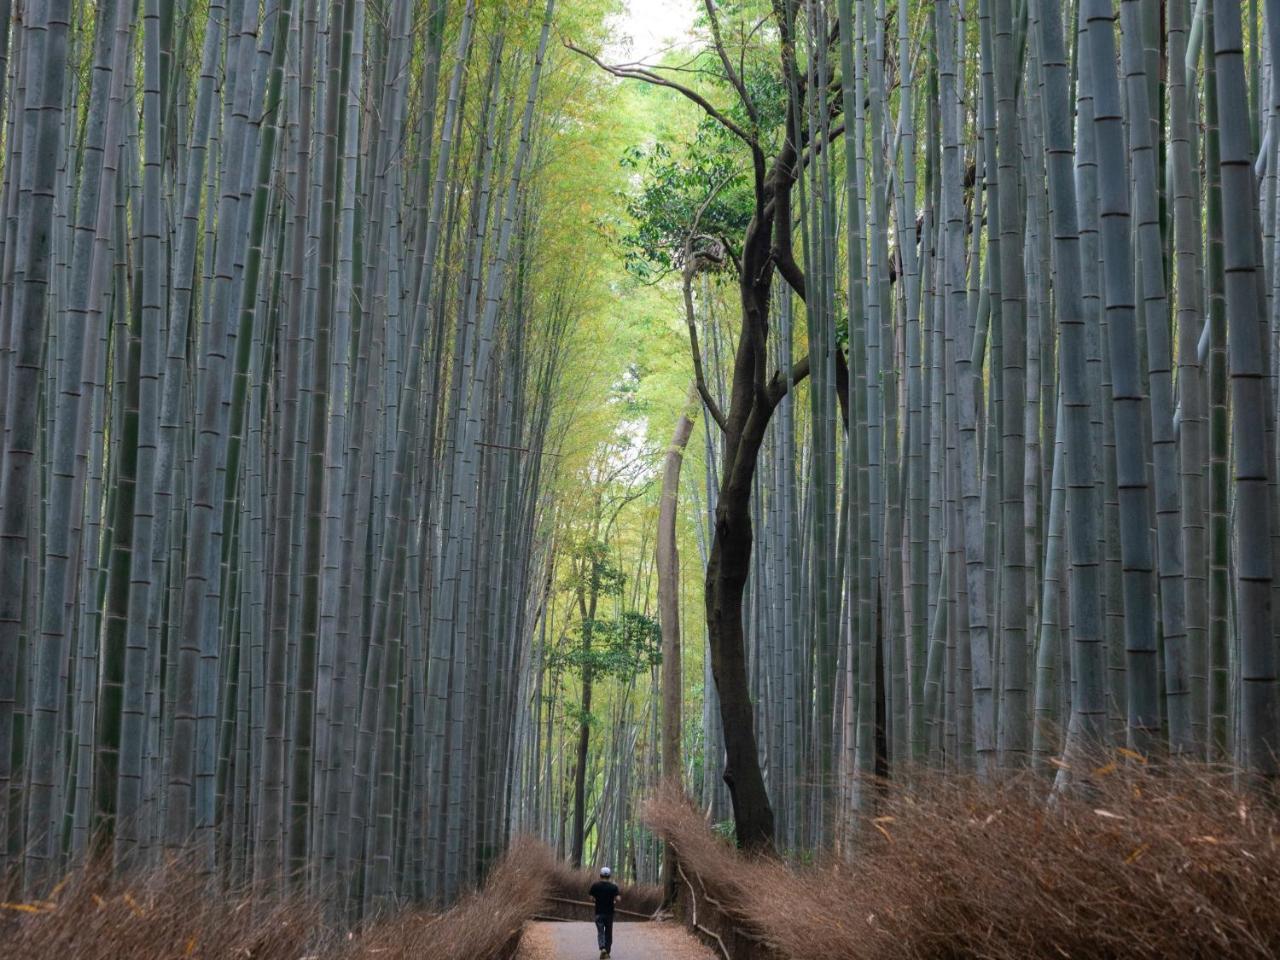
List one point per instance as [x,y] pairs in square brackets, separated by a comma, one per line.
[605,893]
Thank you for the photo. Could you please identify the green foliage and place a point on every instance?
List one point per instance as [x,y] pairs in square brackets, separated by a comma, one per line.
[632,641]
[626,392]
[672,189]
[593,572]
[711,167]
[620,646]
[724,829]
[575,715]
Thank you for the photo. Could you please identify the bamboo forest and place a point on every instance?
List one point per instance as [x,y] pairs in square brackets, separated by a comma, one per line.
[813,462]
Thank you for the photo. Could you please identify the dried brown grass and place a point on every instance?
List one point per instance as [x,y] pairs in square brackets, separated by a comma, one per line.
[167,913]
[171,914]
[485,925]
[571,884]
[1147,865]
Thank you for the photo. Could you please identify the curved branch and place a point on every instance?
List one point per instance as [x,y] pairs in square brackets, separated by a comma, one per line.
[649,76]
[692,263]
[733,76]
[779,385]
[732,254]
[700,379]
[790,270]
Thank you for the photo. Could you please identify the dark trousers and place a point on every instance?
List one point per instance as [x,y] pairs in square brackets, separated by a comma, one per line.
[604,931]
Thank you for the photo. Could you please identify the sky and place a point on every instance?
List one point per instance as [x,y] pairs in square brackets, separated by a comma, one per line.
[651,26]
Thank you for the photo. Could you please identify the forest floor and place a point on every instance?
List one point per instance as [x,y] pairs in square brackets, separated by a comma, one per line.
[631,941]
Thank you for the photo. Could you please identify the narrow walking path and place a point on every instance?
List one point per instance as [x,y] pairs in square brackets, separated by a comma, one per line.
[631,941]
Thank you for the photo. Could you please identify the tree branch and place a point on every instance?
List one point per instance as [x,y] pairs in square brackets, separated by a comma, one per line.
[649,76]
[700,379]
[842,387]
[733,76]
[785,260]
[779,385]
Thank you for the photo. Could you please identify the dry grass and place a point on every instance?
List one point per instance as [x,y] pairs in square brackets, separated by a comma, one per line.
[1146,866]
[573,884]
[483,926]
[171,914]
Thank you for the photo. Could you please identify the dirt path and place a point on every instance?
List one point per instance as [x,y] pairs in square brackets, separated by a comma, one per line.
[631,941]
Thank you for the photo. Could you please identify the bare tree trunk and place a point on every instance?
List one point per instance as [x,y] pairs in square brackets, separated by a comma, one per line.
[668,562]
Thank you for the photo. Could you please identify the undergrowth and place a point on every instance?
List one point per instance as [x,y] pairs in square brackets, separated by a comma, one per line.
[1176,863]
[171,914]
[482,926]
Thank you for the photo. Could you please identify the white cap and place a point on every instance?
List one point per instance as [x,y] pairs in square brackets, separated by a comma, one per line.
[606,872]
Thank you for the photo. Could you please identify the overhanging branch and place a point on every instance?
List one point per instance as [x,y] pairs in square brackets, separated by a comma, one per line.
[648,75]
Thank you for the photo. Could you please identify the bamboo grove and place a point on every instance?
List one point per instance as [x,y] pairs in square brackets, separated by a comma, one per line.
[323,566]
[282,337]
[983,315]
